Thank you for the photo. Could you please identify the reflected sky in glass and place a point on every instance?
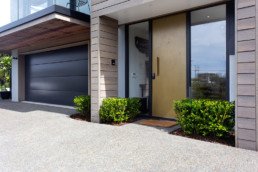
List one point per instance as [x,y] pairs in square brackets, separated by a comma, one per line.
[208,48]
[5,11]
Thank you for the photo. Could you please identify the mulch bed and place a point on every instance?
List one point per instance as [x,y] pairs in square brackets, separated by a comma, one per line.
[229,140]
[80,117]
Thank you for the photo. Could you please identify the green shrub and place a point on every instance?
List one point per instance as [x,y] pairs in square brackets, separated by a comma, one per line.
[82,104]
[205,117]
[117,110]
[133,107]
[5,71]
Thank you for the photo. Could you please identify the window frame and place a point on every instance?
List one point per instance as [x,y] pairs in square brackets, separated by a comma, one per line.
[230,44]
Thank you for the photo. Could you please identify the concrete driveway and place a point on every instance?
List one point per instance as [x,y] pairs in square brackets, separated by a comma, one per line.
[41,138]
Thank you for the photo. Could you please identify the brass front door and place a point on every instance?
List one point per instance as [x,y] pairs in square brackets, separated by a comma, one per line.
[169,64]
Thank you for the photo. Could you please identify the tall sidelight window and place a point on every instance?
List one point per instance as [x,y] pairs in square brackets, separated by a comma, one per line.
[208,53]
[139,61]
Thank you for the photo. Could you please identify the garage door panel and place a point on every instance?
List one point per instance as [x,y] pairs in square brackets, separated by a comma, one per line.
[57,76]
[76,83]
[53,97]
[70,68]
[68,54]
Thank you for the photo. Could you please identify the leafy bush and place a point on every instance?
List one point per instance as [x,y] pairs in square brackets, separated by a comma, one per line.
[82,104]
[133,107]
[117,110]
[5,71]
[205,117]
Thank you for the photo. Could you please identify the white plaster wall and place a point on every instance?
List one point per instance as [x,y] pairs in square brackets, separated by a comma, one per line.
[15,76]
[121,61]
[233,78]
[18,77]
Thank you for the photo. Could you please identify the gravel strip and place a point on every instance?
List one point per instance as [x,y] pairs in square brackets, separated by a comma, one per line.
[41,138]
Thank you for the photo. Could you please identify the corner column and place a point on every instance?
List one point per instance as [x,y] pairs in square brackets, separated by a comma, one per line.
[18,77]
[104,55]
[247,80]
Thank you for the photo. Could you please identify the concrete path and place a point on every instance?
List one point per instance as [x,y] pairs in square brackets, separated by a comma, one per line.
[41,138]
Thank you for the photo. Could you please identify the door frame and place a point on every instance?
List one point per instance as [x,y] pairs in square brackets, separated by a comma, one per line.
[230,47]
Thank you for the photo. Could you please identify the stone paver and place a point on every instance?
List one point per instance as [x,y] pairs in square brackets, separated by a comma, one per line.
[41,138]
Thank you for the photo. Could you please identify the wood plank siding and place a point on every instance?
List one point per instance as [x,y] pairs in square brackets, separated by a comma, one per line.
[104,43]
[246,105]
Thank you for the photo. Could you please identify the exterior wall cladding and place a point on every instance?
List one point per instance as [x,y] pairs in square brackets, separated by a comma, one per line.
[104,42]
[104,47]
[247,102]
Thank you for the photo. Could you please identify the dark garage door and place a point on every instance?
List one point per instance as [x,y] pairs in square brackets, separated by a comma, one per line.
[58,76]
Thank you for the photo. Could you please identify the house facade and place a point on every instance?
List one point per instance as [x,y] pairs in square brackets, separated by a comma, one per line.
[156,50]
[168,50]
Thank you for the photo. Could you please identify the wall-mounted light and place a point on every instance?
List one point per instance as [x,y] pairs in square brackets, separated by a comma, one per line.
[15,58]
[113,62]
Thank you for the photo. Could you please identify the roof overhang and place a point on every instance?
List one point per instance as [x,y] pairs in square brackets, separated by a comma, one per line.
[53,26]
[155,8]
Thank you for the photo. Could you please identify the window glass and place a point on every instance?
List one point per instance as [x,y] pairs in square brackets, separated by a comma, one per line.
[37,5]
[63,3]
[83,6]
[27,7]
[22,8]
[139,61]
[208,53]
[78,5]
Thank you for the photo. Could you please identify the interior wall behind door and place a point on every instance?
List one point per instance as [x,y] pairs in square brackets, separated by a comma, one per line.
[169,64]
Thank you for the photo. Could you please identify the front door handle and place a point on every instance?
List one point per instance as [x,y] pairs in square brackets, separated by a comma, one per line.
[158,63]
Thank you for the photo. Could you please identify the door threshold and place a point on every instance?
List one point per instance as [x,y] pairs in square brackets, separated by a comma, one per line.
[156,117]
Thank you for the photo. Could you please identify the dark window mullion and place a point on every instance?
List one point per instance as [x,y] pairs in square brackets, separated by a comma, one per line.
[127,61]
[230,34]
[73,5]
[188,49]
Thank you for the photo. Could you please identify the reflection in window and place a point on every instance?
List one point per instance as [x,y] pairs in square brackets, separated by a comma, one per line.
[208,53]
[32,6]
[139,61]
[37,6]
[78,5]
[83,6]
[23,8]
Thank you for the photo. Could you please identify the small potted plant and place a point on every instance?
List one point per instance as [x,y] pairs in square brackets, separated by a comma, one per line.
[5,76]
[5,95]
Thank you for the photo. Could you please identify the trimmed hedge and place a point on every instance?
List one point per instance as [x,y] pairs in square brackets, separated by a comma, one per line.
[118,110]
[82,104]
[205,117]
